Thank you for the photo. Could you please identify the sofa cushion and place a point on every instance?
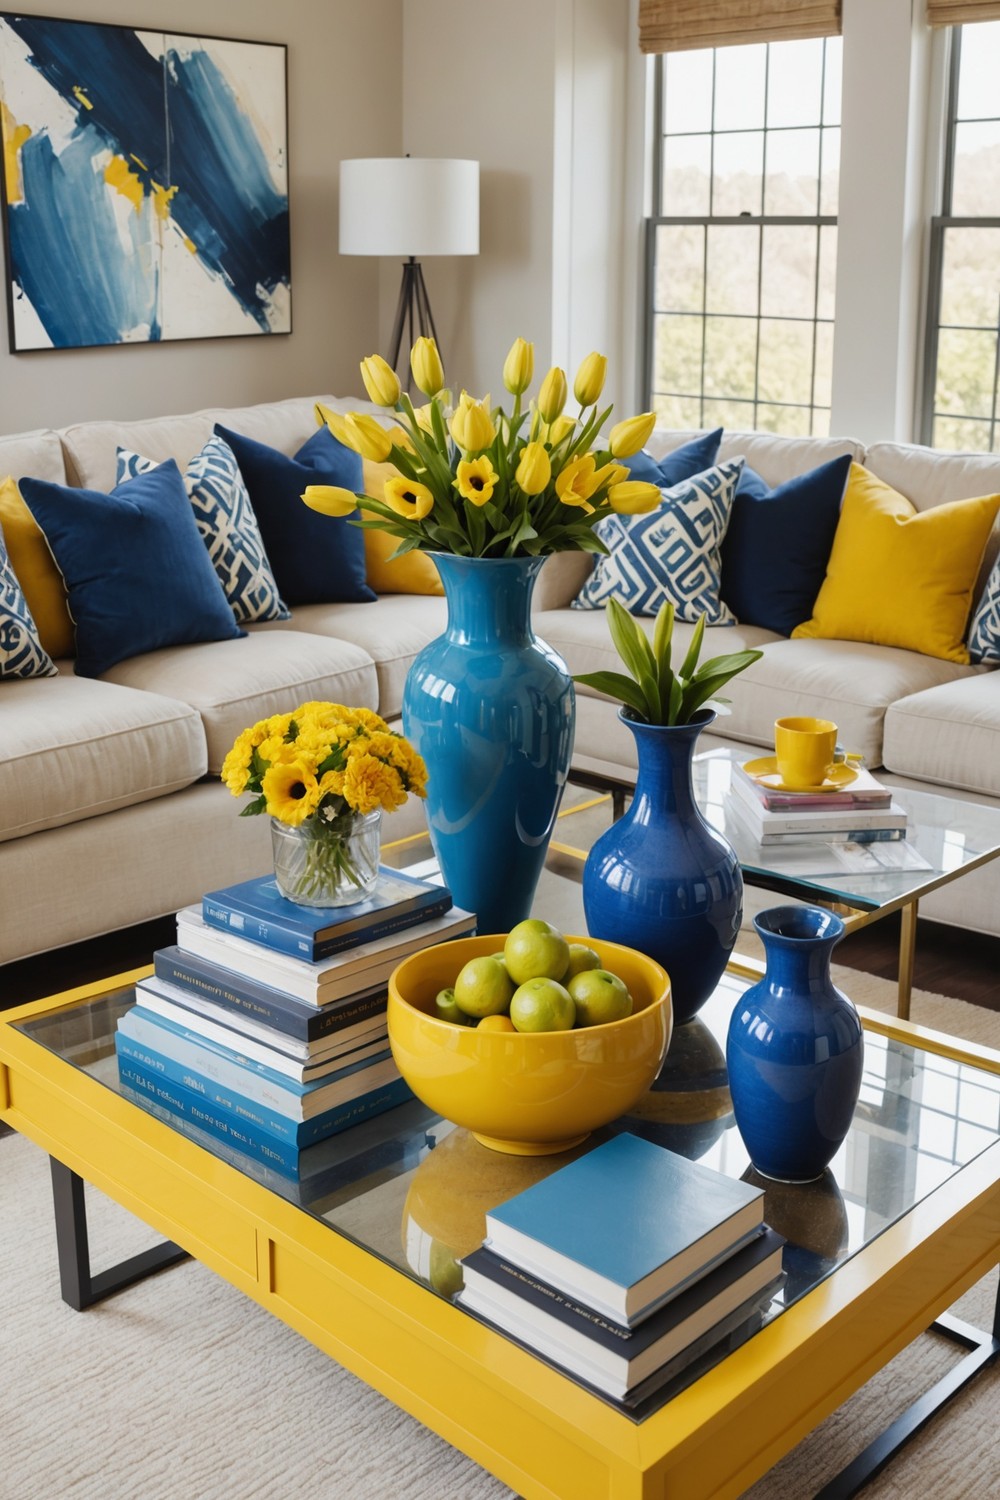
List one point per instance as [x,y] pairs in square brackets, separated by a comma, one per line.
[226,522]
[316,559]
[949,735]
[74,748]
[21,652]
[135,568]
[39,453]
[680,463]
[777,544]
[36,572]
[232,684]
[902,577]
[670,554]
[777,459]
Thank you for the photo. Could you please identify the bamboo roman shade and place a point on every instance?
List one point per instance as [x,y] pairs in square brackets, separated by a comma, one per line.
[674,25]
[955,12]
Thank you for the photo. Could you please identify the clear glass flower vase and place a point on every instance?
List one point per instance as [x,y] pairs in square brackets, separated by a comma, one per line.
[327,863]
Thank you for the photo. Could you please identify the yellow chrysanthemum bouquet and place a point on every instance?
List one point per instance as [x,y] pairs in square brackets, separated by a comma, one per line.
[324,774]
[478,481]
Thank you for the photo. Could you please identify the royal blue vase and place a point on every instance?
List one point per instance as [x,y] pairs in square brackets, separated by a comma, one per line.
[491,709]
[795,1049]
[661,879]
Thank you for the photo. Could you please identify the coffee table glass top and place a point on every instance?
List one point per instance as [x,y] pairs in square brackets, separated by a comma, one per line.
[412,1189]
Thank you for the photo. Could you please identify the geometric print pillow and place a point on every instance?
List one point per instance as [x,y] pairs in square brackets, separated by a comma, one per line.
[21,652]
[671,553]
[984,632]
[228,527]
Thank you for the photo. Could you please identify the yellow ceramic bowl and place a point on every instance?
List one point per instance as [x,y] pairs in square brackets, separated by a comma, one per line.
[527,1094]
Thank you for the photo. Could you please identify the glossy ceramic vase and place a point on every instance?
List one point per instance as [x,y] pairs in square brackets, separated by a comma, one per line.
[320,863]
[491,709]
[661,878]
[795,1049]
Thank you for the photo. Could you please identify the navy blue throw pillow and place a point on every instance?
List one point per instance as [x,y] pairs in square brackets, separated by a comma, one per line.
[684,463]
[137,572]
[315,559]
[777,544]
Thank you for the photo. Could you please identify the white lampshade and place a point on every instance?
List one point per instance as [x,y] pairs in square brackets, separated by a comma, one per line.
[409,205]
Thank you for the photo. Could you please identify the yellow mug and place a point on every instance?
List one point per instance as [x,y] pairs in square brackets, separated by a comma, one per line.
[804,750]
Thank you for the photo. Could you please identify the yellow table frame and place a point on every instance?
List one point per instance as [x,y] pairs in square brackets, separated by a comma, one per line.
[536,1430]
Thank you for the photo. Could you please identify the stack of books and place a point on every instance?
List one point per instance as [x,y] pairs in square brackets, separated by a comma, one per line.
[626,1266]
[265,1023]
[862,812]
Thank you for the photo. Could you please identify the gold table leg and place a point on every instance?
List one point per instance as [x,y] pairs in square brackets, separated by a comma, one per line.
[907,949]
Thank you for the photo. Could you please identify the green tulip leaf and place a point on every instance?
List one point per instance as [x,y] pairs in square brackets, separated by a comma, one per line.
[615,685]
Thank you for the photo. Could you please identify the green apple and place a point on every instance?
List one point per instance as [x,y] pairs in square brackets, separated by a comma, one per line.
[599,996]
[581,957]
[445,1008]
[535,950]
[542,1005]
[483,987]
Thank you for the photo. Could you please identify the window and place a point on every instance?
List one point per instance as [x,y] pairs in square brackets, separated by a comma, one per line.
[963,340]
[742,243]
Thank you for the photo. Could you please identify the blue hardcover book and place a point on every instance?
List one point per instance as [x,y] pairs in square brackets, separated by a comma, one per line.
[226,991]
[258,911]
[625,1227]
[263,1146]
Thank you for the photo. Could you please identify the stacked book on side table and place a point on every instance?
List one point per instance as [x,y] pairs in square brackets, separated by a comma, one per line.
[265,1024]
[626,1266]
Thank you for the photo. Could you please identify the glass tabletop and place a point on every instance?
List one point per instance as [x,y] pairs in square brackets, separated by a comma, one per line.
[413,1189]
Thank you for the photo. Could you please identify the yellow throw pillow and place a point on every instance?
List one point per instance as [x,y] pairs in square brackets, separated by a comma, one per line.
[36,572]
[413,573]
[898,576]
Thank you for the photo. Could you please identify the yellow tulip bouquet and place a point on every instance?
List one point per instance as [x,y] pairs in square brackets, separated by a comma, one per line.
[478,481]
[318,770]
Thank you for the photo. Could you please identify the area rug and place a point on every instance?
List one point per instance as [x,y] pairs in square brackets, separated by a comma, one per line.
[181,1387]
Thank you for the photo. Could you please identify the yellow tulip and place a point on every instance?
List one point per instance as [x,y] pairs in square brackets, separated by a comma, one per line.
[581,479]
[590,377]
[552,396]
[554,432]
[534,469]
[408,498]
[425,362]
[329,499]
[381,380]
[629,436]
[364,434]
[634,497]
[519,367]
[471,424]
[476,480]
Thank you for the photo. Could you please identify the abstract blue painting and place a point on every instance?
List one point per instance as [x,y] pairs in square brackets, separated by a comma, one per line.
[145,185]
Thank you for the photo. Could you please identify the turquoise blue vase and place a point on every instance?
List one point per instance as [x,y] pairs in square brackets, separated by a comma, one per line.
[491,709]
[661,878]
[795,1049]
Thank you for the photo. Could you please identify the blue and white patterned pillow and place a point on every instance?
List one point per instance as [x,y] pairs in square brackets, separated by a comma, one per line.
[225,518]
[21,652]
[984,632]
[671,553]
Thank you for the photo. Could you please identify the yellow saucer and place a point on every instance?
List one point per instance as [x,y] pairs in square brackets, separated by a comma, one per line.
[765,770]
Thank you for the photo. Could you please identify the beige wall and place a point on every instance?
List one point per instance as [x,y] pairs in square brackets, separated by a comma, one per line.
[344,70]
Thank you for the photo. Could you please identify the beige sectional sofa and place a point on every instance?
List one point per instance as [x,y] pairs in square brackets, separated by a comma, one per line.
[111,811]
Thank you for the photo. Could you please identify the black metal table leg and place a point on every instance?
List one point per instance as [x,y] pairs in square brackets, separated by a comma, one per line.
[80,1288]
[983,1347]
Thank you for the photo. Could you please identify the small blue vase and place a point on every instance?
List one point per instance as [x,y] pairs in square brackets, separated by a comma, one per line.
[661,879]
[491,709]
[795,1049]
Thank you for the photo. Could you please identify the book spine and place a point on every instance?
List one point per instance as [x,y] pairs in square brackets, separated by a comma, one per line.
[835,836]
[286,938]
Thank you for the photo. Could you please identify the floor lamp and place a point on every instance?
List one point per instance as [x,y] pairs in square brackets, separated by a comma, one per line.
[412,206]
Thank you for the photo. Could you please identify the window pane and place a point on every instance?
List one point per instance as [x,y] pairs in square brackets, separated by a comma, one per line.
[829,187]
[833,82]
[677,411]
[977,88]
[739,87]
[687,173]
[821,421]
[730,357]
[965,372]
[823,378]
[791,184]
[970,277]
[788,271]
[731,283]
[964,436]
[677,360]
[794,83]
[687,90]
[739,173]
[976,182]
[825,301]
[792,421]
[735,416]
[784,370]
[680,250]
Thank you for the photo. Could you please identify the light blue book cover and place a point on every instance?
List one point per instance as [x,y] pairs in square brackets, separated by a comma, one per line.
[626,1226]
